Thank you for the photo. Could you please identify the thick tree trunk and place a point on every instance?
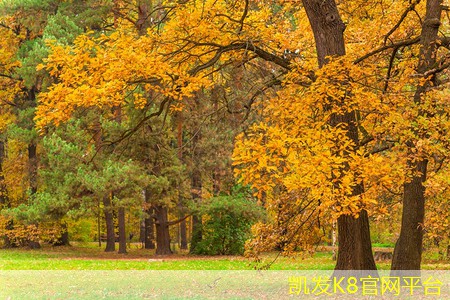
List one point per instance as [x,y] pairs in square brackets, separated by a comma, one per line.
[162,231]
[109,220]
[122,231]
[149,224]
[149,238]
[408,249]
[355,249]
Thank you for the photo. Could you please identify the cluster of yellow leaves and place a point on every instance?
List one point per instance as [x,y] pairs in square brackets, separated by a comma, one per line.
[172,60]
[297,148]
[15,171]
[9,87]
[110,71]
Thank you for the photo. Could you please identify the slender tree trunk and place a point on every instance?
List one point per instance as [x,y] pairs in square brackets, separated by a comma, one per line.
[183,232]
[32,173]
[122,232]
[355,249]
[109,220]
[162,231]
[197,227]
[32,167]
[408,249]
[183,229]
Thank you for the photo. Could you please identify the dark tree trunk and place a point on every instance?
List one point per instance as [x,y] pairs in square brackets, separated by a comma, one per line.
[149,224]
[109,220]
[32,173]
[122,232]
[183,229]
[149,238]
[63,239]
[162,231]
[408,249]
[355,249]
[197,228]
[142,231]
[32,167]
[183,232]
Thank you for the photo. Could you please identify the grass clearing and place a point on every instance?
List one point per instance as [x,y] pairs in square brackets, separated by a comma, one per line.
[80,257]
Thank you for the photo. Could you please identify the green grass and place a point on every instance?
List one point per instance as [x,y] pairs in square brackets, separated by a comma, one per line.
[93,258]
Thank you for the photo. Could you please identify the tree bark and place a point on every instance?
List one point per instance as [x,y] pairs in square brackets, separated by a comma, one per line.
[63,240]
[197,228]
[162,231]
[149,224]
[408,249]
[149,238]
[122,231]
[32,167]
[32,173]
[355,248]
[183,232]
[109,220]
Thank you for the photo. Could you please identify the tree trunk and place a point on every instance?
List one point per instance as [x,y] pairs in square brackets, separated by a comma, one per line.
[408,249]
[32,167]
[109,220]
[197,228]
[149,238]
[63,239]
[122,231]
[149,224]
[162,231]
[355,248]
[183,232]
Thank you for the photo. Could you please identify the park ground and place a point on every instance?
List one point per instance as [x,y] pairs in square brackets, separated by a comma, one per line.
[88,256]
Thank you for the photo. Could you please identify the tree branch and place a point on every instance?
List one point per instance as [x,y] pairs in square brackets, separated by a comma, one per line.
[387,47]
[402,18]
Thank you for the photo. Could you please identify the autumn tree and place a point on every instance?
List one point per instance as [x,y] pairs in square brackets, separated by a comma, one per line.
[408,250]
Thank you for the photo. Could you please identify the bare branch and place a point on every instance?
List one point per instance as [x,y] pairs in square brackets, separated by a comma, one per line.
[410,8]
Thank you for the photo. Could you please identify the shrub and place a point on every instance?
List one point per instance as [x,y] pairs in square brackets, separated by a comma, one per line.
[226,224]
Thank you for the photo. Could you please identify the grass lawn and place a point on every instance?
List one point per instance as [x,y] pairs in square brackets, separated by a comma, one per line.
[87,272]
[89,257]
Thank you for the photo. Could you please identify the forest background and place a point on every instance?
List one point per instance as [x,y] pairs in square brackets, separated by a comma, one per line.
[227,126]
